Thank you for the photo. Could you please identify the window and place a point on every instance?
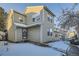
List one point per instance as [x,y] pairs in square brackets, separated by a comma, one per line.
[38,19]
[49,33]
[50,19]
[21,20]
[33,19]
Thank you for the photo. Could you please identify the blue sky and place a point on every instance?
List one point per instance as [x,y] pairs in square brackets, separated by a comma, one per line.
[54,7]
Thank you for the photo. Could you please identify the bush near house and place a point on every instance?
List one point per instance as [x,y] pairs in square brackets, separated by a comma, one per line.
[2,35]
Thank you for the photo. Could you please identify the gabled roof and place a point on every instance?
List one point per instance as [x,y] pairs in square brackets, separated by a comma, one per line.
[18,13]
[36,9]
[45,7]
[33,9]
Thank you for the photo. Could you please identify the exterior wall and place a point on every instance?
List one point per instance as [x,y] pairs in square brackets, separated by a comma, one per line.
[31,16]
[13,31]
[11,34]
[18,34]
[9,26]
[34,34]
[19,18]
[46,25]
[18,30]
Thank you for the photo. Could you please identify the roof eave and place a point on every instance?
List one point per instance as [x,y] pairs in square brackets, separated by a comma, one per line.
[45,7]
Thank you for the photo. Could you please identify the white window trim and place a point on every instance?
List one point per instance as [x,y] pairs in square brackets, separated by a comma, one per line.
[20,18]
[34,16]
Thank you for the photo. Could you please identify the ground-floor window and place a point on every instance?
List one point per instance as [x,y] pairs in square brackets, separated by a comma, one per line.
[49,33]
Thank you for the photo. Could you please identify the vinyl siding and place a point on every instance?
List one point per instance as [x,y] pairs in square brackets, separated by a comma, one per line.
[34,34]
[46,26]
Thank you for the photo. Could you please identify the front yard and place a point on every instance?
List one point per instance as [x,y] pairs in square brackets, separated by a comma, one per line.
[28,49]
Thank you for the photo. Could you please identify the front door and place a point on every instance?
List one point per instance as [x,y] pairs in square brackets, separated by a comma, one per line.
[24,34]
[20,34]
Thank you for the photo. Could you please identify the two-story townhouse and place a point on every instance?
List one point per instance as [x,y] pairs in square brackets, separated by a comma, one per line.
[36,24]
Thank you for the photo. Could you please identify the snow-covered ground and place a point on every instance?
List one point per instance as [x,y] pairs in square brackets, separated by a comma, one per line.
[60,44]
[28,49]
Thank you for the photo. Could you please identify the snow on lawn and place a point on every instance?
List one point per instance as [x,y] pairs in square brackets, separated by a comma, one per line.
[59,44]
[28,49]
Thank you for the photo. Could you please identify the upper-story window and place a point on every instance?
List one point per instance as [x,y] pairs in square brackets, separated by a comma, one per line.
[50,18]
[33,19]
[36,17]
[20,19]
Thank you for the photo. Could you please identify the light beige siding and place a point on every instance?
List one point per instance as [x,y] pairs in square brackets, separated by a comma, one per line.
[46,26]
[30,18]
[11,34]
[10,27]
[18,34]
[18,18]
[34,34]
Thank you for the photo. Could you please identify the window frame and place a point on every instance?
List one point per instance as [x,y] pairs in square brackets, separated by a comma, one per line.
[49,32]
[50,18]
[21,19]
[33,19]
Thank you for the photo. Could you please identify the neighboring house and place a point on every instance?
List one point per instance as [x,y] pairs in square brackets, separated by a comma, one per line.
[36,24]
[60,33]
[71,33]
[57,34]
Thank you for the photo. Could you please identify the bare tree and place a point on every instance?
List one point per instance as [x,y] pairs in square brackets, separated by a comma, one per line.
[3,15]
[69,17]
